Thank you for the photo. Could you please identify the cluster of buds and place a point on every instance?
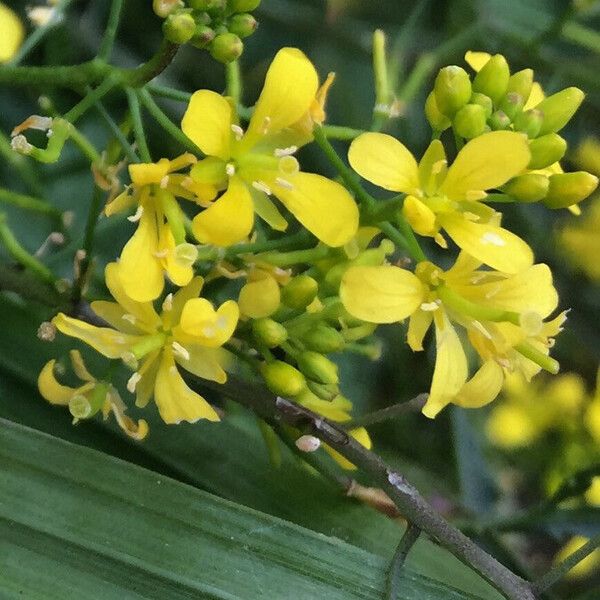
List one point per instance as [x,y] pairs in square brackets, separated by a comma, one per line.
[496,100]
[218,26]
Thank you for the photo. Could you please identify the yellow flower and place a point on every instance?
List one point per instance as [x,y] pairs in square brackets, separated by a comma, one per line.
[158,246]
[88,399]
[503,315]
[450,198]
[260,162]
[11,33]
[189,332]
[584,568]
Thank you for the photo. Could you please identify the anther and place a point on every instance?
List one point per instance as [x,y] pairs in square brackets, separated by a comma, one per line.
[137,216]
[230,169]
[281,152]
[237,131]
[284,183]
[180,351]
[132,382]
[262,187]
[167,304]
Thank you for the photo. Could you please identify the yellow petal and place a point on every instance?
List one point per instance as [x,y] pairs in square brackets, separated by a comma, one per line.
[79,367]
[123,201]
[477,60]
[203,362]
[419,216]
[140,271]
[361,435]
[207,326]
[433,167]
[178,271]
[323,206]
[451,369]
[486,162]
[108,342]
[418,325]
[11,33]
[289,91]
[49,388]
[175,400]
[229,220]
[260,298]
[383,294]
[144,389]
[384,161]
[116,316]
[173,307]
[482,388]
[267,211]
[207,122]
[148,173]
[493,246]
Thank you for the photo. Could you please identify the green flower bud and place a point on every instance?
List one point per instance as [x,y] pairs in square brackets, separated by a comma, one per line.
[179,28]
[469,121]
[437,120]
[203,37]
[512,105]
[163,8]
[493,78]
[325,391]
[484,101]
[241,6]
[359,332]
[283,379]
[269,332]
[520,83]
[209,5]
[546,150]
[530,187]
[243,25]
[84,407]
[499,120]
[323,339]
[529,122]
[566,189]
[226,47]
[559,108]
[452,89]
[317,367]
[299,292]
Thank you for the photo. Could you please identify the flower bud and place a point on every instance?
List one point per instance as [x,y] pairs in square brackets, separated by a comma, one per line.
[529,122]
[269,332]
[317,367]
[323,339]
[484,101]
[566,189]
[512,105]
[470,121]
[325,391]
[179,28]
[546,150]
[530,187]
[437,120]
[226,47]
[207,4]
[299,292]
[452,89]
[520,83]
[163,8]
[559,108]
[203,36]
[492,79]
[283,379]
[241,6]
[243,25]
[499,120]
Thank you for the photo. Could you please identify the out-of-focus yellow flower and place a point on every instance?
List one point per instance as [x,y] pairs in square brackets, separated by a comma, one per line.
[592,496]
[255,164]
[11,33]
[584,568]
[439,197]
[503,315]
[587,155]
[189,332]
[88,399]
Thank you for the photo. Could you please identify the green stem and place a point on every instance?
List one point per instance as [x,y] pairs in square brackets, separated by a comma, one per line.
[138,126]
[71,76]
[110,32]
[410,536]
[86,147]
[381,110]
[21,255]
[420,73]
[30,203]
[151,69]
[284,259]
[167,92]
[405,238]
[338,132]
[20,164]
[166,123]
[291,241]
[533,354]
[116,131]
[91,98]
[234,82]
[557,573]
[388,413]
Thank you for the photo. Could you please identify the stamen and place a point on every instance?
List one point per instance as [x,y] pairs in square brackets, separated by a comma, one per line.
[33,122]
[237,131]
[180,351]
[20,144]
[471,216]
[266,124]
[430,306]
[132,382]
[230,169]
[474,195]
[284,183]
[482,329]
[437,166]
[281,152]
[161,253]
[130,318]
[137,216]
[167,304]
[261,186]
[164,182]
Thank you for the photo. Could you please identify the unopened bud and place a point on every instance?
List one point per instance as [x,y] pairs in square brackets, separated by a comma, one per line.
[163,8]
[323,339]
[530,187]
[226,47]
[203,36]
[269,332]
[243,25]
[492,79]
[559,108]
[566,189]
[179,27]
[529,122]
[437,120]
[483,101]
[317,367]
[521,83]
[499,120]
[207,4]
[546,150]
[283,379]
[470,121]
[241,6]
[299,292]
[452,89]
[325,391]
[512,104]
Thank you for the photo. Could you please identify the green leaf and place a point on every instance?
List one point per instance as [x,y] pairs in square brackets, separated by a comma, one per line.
[89,525]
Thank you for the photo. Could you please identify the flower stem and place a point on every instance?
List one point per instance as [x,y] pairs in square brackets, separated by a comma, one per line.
[110,32]
[117,132]
[91,98]
[234,81]
[168,92]
[338,132]
[30,203]
[138,126]
[381,110]
[284,259]
[410,536]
